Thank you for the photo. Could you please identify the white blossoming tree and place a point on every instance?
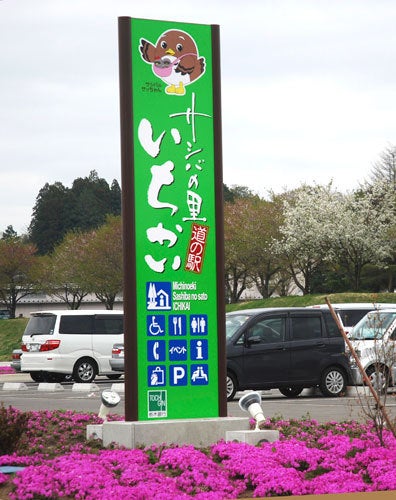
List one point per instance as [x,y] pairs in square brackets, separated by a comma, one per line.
[324,225]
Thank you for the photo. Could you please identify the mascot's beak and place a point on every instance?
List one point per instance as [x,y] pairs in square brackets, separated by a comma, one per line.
[170,52]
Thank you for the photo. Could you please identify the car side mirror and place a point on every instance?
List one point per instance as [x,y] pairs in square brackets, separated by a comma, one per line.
[254,339]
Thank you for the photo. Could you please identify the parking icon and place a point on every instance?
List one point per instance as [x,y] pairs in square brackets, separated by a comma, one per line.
[178,375]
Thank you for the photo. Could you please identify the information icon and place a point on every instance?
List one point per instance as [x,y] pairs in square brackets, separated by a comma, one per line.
[198,349]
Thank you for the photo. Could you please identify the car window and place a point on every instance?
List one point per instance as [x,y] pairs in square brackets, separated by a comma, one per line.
[267,330]
[306,327]
[109,325]
[331,325]
[41,324]
[76,324]
[350,317]
[374,325]
[234,322]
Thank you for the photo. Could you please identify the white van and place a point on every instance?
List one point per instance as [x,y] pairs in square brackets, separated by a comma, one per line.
[351,313]
[65,344]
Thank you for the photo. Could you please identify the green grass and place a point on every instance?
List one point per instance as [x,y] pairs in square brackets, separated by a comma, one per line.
[11,330]
[310,300]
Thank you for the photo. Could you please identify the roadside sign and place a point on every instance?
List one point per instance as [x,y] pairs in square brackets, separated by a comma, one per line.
[172,219]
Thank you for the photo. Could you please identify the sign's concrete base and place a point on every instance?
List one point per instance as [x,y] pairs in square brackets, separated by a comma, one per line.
[197,432]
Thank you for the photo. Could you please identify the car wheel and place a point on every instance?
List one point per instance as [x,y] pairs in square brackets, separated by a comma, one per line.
[37,376]
[231,387]
[291,392]
[84,371]
[379,377]
[114,377]
[333,382]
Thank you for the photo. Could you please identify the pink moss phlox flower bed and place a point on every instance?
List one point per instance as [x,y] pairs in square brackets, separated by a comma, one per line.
[5,369]
[309,458]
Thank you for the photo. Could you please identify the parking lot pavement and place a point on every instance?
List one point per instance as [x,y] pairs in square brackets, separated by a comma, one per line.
[310,404]
[14,377]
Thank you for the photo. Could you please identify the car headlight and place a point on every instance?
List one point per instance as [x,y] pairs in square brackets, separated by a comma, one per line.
[351,357]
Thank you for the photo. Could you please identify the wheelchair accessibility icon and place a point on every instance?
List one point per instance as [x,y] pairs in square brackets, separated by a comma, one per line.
[156,325]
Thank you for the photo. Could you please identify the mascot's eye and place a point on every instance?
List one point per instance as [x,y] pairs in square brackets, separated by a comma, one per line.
[179,47]
[164,45]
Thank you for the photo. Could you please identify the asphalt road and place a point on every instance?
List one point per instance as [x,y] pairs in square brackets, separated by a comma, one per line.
[309,404]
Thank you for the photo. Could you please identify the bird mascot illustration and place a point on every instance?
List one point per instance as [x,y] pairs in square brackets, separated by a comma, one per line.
[174,60]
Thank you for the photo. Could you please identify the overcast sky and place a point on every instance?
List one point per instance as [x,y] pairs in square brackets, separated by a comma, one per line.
[308,91]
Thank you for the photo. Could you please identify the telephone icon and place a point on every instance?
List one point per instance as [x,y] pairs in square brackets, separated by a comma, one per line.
[155,351]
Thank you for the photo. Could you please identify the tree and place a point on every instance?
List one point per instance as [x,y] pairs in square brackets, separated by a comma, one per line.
[103,270]
[236,254]
[235,192]
[115,198]
[64,271]
[347,230]
[361,233]
[49,222]
[251,226]
[91,202]
[304,241]
[18,272]
[59,210]
[261,221]
[87,262]
[385,168]
[9,233]
[384,173]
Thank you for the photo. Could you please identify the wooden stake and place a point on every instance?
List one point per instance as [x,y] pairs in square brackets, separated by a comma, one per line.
[366,380]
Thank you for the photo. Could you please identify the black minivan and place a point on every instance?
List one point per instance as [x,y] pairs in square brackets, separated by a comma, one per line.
[287,349]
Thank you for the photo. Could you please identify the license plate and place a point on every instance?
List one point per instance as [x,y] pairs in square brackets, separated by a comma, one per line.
[34,347]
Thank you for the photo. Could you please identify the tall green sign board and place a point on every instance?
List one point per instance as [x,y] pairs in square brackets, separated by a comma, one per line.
[172,220]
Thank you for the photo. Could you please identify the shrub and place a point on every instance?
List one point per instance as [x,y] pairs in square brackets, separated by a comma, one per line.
[13,424]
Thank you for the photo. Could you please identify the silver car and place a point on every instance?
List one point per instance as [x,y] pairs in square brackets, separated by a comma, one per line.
[373,340]
[117,358]
[16,360]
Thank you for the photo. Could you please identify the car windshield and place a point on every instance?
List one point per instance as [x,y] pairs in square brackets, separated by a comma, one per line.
[234,322]
[374,325]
